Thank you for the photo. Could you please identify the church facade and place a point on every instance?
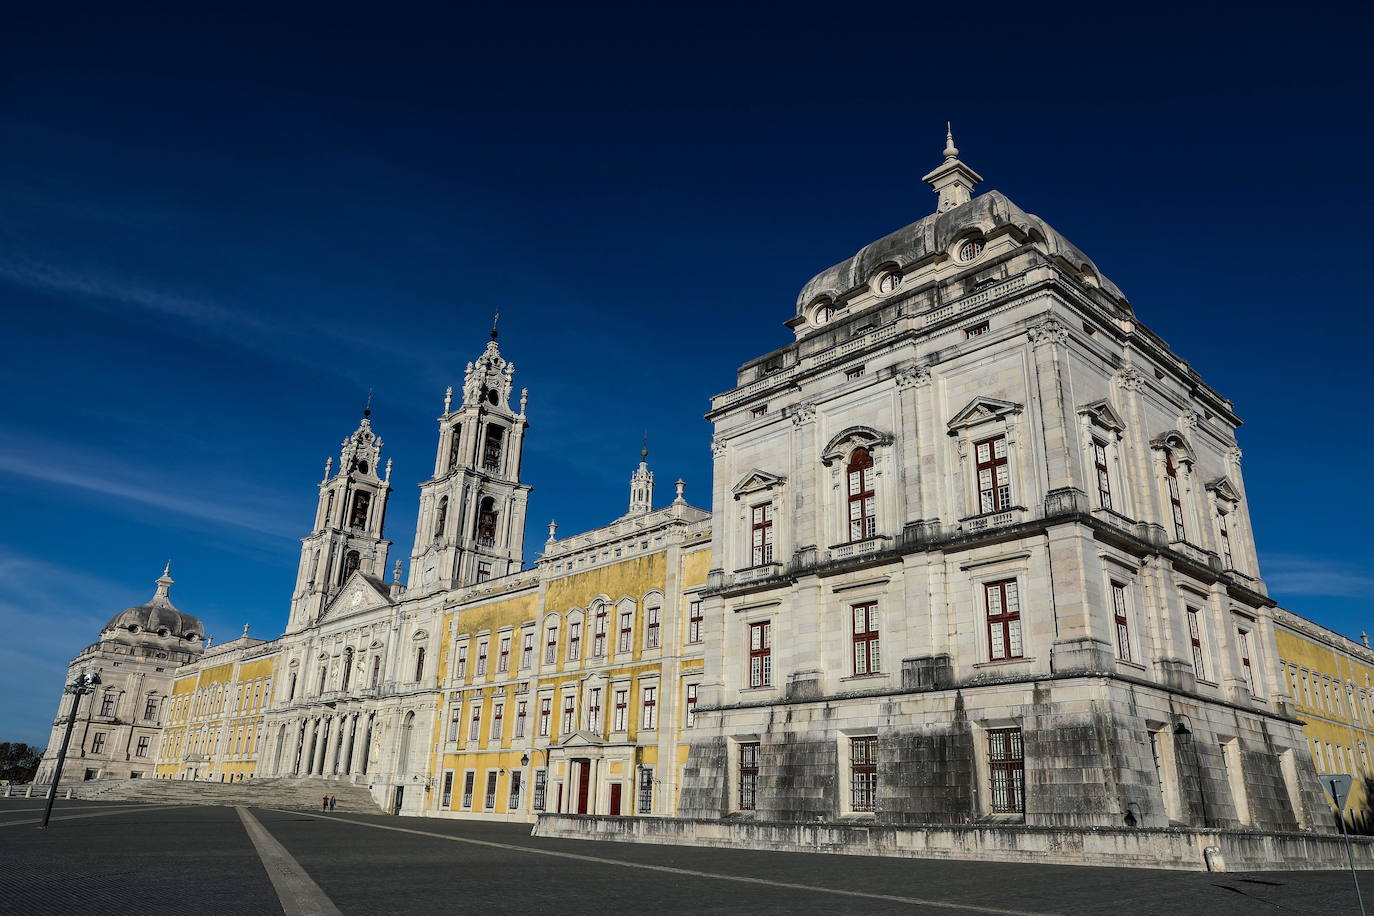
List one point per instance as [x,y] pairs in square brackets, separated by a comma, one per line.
[978,550]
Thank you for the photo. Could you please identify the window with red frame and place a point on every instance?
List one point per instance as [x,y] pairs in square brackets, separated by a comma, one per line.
[691,718]
[694,620]
[1104,481]
[527,650]
[460,666]
[863,769]
[649,712]
[760,654]
[626,632]
[599,633]
[761,533]
[1004,620]
[481,658]
[1227,561]
[622,706]
[569,713]
[1243,639]
[475,722]
[866,656]
[498,715]
[1195,638]
[455,722]
[748,775]
[994,476]
[1007,768]
[1175,499]
[551,645]
[1123,630]
[503,655]
[574,641]
[651,628]
[545,715]
[863,519]
[594,711]
[520,710]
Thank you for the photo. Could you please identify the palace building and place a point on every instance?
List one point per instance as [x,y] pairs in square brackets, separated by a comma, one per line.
[979,550]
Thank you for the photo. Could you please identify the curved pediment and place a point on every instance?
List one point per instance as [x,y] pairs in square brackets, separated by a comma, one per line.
[841,445]
[1175,442]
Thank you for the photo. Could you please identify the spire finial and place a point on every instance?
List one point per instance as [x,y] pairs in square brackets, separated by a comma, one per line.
[367,408]
[167,570]
[245,629]
[164,585]
[448,399]
[396,572]
[681,485]
[951,151]
[644,447]
[553,530]
[494,318]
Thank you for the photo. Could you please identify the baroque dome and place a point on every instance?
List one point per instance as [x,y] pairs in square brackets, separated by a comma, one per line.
[158,616]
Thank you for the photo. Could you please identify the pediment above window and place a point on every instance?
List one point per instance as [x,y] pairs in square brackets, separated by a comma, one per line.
[982,410]
[1102,413]
[1175,442]
[841,446]
[755,481]
[1224,490]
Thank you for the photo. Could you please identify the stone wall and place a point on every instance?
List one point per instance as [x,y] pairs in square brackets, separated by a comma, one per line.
[1182,848]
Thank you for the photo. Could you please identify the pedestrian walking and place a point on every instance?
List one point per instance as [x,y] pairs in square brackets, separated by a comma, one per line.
[324,803]
[333,800]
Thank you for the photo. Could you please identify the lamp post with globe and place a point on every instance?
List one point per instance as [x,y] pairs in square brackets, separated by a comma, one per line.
[83,684]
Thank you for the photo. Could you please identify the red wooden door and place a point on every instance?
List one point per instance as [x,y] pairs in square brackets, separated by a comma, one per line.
[584,778]
[615,798]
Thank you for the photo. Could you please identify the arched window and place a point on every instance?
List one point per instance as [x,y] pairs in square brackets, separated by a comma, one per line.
[486,522]
[347,669]
[441,517]
[350,566]
[419,663]
[863,519]
[362,501]
[491,449]
[453,448]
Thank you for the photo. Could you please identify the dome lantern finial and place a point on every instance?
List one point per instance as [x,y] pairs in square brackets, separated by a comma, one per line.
[951,151]
[952,180]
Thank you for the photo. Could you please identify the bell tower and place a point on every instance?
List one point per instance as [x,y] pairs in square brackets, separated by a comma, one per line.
[349,518]
[471,525]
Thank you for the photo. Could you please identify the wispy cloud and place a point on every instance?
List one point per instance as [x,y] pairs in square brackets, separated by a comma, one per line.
[1293,574]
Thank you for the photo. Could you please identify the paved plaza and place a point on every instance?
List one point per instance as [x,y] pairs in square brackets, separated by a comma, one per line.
[121,858]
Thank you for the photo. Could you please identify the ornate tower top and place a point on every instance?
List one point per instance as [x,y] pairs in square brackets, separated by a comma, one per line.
[642,484]
[952,180]
[490,379]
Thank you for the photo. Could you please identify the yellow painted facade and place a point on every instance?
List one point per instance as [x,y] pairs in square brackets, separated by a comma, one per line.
[1331,682]
[214,724]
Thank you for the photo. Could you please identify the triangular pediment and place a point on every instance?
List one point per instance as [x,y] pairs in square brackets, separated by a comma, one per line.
[360,592]
[981,410]
[1224,490]
[582,738]
[1103,414]
[757,480]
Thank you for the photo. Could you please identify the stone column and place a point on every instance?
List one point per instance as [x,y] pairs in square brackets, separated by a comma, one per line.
[351,726]
[321,740]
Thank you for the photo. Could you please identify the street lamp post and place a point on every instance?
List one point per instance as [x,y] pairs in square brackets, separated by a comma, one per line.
[84,684]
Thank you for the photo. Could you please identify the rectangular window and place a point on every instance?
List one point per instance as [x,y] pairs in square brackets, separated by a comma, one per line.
[626,633]
[468,779]
[541,789]
[599,633]
[446,798]
[865,619]
[649,717]
[460,667]
[454,723]
[574,641]
[694,620]
[520,710]
[490,799]
[863,770]
[1123,632]
[594,710]
[569,713]
[483,571]
[545,715]
[853,373]
[1175,499]
[527,650]
[759,411]
[475,724]
[498,713]
[142,749]
[551,646]
[481,658]
[760,654]
[150,709]
[97,742]
[503,656]
[1243,641]
[862,502]
[1007,768]
[994,476]
[691,717]
[977,330]
[1195,639]
[748,775]
[1226,559]
[646,791]
[107,705]
[1104,481]
[761,533]
[1004,620]
[622,704]
[516,785]
[651,628]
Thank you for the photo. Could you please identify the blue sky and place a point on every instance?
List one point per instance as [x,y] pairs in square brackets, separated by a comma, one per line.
[219,230]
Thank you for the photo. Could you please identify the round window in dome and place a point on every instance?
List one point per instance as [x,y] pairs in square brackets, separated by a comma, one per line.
[163,632]
[970,249]
[888,283]
[824,314]
[133,628]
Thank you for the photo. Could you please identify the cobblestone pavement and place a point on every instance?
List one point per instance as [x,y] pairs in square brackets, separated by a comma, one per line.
[117,859]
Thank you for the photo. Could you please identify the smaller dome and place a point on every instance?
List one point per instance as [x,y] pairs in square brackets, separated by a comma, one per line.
[158,617]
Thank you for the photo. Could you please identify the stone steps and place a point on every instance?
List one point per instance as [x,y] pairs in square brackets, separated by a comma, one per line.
[298,793]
